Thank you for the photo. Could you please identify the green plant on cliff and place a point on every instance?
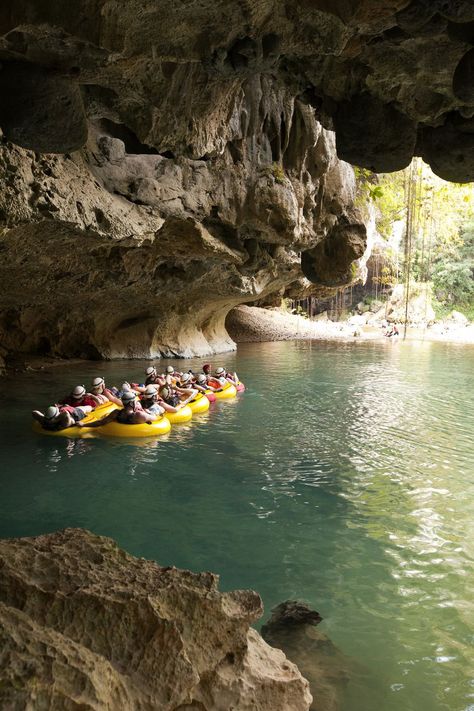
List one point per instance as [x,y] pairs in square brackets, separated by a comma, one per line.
[278,173]
[368,188]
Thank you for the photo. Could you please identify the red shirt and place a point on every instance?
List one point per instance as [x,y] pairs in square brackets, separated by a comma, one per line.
[76,401]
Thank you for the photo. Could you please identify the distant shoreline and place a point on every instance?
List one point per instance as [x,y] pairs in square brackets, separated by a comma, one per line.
[257,325]
[248,324]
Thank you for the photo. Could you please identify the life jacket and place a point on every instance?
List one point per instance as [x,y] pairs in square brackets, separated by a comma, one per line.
[216,382]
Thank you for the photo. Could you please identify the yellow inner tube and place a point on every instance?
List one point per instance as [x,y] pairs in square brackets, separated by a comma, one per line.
[160,426]
[184,414]
[227,392]
[68,432]
[97,414]
[199,404]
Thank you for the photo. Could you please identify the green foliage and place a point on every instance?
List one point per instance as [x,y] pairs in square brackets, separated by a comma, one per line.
[300,311]
[287,305]
[453,274]
[443,310]
[391,202]
[368,188]
[387,276]
[376,192]
[368,300]
[436,221]
[278,173]
[453,281]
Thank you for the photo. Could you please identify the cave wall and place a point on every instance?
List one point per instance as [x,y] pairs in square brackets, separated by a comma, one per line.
[113,253]
[162,162]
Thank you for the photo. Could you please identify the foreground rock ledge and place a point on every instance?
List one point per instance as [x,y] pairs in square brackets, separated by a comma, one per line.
[84,624]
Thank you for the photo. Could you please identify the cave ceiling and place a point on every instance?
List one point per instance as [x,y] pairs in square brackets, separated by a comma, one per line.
[394,79]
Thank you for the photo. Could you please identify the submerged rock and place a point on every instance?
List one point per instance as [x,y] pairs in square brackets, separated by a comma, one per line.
[84,624]
[291,628]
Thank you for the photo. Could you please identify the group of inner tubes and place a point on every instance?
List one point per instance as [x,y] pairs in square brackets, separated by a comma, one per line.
[138,410]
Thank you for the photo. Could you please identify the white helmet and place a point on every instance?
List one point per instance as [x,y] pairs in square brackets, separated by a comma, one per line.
[185,378]
[150,391]
[150,370]
[169,369]
[51,412]
[97,382]
[126,387]
[78,392]
[128,397]
[220,371]
[201,378]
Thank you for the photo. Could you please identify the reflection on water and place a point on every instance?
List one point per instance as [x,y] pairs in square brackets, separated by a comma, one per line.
[343,476]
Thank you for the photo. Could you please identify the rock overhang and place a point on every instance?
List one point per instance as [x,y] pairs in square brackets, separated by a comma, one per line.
[196,164]
[394,79]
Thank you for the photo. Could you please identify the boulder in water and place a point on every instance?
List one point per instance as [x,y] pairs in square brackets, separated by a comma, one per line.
[292,628]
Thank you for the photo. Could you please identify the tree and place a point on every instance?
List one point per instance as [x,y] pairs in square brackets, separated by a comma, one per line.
[453,275]
[427,230]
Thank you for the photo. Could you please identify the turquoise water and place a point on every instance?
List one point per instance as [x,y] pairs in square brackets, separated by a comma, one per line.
[343,476]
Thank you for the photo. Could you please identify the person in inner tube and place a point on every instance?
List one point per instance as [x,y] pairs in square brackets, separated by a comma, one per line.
[79,397]
[200,383]
[131,414]
[153,377]
[149,401]
[100,391]
[184,388]
[60,417]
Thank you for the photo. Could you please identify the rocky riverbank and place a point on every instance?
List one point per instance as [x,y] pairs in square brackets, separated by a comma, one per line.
[84,624]
[248,324]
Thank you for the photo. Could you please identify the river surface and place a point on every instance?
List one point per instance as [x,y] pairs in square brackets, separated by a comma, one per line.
[344,476]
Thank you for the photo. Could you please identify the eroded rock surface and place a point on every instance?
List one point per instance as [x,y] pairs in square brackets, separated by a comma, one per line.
[196,165]
[111,253]
[174,73]
[84,624]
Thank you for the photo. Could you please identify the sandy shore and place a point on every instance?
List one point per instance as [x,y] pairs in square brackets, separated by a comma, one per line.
[247,324]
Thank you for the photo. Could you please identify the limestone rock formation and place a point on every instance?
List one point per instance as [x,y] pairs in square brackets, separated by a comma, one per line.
[386,74]
[112,253]
[420,309]
[195,164]
[84,624]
